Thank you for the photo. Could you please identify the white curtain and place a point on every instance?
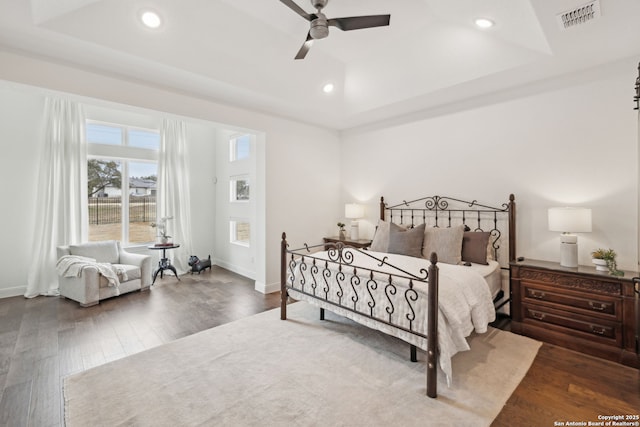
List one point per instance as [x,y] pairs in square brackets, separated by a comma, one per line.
[61,217]
[173,184]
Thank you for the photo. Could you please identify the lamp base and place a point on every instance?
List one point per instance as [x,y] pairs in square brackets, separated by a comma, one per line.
[569,252]
[354,232]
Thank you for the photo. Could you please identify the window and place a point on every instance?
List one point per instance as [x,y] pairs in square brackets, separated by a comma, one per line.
[239,189]
[122,173]
[240,147]
[240,232]
[240,153]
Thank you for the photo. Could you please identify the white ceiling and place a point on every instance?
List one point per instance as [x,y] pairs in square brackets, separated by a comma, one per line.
[241,51]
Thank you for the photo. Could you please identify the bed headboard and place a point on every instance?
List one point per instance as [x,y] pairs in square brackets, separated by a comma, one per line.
[443,211]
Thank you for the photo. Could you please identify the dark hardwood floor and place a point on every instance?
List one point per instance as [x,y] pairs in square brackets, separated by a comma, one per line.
[42,340]
[564,386]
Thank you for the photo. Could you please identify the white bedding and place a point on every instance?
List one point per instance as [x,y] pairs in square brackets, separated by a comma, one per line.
[491,273]
[464,298]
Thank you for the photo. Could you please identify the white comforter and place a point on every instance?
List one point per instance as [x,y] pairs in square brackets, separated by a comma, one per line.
[464,300]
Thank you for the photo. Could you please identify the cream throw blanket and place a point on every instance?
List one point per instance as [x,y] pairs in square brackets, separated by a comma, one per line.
[73,265]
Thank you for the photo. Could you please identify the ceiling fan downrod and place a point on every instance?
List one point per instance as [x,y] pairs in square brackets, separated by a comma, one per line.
[319,4]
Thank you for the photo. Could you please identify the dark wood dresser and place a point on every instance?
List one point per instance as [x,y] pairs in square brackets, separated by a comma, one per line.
[578,308]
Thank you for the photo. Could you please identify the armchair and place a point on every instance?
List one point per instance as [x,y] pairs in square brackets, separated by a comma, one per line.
[91,287]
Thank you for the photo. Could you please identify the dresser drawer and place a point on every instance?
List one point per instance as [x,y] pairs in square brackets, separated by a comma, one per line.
[575,282]
[580,325]
[602,306]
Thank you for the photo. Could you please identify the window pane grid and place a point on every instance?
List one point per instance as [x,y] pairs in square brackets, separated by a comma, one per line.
[122,192]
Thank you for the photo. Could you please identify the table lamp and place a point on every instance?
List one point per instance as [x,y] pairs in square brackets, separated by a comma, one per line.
[353,211]
[569,220]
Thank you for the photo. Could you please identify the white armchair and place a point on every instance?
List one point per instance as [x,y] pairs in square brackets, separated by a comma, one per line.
[91,287]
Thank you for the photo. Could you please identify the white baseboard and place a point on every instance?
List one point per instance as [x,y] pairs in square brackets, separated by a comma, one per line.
[267,289]
[236,269]
[13,292]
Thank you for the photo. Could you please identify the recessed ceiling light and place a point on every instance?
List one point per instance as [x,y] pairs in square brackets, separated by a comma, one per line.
[484,23]
[328,88]
[150,19]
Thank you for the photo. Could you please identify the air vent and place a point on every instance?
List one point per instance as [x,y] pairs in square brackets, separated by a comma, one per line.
[580,15]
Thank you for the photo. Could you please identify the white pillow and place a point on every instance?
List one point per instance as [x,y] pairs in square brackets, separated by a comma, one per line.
[445,242]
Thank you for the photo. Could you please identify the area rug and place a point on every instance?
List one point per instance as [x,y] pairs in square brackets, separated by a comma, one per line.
[262,371]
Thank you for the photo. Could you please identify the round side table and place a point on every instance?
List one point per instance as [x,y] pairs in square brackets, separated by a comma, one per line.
[164,263]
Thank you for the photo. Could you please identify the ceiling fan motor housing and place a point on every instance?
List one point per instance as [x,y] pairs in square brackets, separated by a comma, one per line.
[319,27]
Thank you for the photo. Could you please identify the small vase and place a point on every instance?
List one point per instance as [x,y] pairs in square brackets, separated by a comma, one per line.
[601,265]
[341,235]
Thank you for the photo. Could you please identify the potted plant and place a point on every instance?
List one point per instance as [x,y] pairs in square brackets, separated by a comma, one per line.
[605,260]
[341,234]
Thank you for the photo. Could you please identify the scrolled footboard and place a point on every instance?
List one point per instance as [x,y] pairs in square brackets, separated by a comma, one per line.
[368,289]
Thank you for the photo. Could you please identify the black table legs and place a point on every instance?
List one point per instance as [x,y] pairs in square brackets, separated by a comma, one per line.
[164,264]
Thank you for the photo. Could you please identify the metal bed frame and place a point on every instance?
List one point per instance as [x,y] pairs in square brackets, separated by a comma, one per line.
[381,285]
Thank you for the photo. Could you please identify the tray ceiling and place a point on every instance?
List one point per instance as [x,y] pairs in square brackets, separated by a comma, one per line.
[241,51]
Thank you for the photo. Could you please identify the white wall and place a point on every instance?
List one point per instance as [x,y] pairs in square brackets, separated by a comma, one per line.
[567,145]
[301,189]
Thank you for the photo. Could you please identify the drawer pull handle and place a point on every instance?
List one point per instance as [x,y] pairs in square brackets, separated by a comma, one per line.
[537,316]
[598,330]
[538,295]
[599,306]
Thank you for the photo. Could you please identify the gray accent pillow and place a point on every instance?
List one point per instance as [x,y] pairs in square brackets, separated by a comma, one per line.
[474,246]
[445,242]
[407,242]
[381,237]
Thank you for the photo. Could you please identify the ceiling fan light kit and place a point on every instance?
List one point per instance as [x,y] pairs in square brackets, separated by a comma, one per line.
[319,24]
[319,27]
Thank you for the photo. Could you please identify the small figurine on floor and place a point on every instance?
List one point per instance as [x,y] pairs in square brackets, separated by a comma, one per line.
[197,264]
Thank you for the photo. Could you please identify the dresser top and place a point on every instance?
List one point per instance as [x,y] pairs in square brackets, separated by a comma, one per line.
[581,269]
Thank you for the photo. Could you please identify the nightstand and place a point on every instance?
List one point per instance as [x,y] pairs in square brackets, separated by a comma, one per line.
[361,243]
[579,308]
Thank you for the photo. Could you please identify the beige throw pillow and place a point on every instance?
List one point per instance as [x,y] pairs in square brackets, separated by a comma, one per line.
[445,242]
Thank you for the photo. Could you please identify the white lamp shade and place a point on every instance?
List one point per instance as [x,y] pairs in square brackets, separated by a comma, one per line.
[570,220]
[353,211]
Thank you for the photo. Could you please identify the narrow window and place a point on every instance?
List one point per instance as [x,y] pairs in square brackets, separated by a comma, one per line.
[239,189]
[240,148]
[240,232]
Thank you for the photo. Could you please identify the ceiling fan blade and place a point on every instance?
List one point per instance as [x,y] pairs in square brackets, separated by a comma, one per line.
[297,9]
[360,22]
[305,47]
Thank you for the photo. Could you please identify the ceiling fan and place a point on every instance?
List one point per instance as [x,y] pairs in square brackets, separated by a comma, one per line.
[320,24]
